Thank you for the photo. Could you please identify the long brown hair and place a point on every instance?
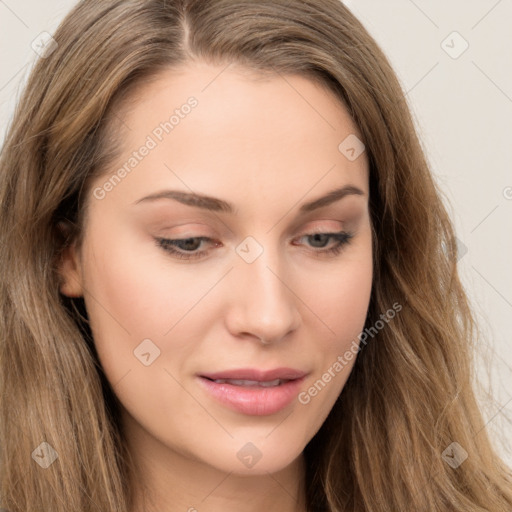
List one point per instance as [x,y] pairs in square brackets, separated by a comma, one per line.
[410,394]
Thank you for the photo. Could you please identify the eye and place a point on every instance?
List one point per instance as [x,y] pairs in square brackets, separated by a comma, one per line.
[320,239]
[187,248]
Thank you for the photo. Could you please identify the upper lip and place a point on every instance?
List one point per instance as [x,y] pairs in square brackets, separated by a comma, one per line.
[256,374]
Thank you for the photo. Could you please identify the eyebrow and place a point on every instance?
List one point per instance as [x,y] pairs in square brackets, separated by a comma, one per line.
[218,205]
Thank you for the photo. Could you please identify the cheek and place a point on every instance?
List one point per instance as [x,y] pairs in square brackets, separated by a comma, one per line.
[340,296]
[132,287]
[340,301]
[132,295]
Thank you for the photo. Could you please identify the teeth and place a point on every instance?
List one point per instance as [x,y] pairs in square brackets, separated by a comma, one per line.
[265,384]
[271,383]
[242,382]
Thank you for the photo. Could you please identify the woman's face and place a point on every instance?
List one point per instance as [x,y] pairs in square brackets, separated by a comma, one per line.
[228,344]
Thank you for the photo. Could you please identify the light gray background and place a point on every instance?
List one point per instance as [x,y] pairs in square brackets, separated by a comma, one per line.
[462,104]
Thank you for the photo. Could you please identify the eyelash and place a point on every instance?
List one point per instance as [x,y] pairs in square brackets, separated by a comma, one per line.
[343,238]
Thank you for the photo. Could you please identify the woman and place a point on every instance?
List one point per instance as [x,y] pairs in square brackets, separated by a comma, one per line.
[229,279]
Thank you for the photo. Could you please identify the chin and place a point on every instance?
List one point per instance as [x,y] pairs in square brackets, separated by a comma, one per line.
[260,456]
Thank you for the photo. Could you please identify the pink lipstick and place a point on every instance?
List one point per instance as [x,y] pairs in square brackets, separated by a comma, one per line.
[252,391]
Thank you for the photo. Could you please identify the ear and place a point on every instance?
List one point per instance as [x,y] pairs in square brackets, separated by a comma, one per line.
[69,269]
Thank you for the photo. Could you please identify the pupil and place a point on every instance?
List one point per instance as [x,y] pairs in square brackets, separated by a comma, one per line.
[191,241]
[318,237]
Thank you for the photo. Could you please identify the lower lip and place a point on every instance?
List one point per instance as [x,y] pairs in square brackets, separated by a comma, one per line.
[255,401]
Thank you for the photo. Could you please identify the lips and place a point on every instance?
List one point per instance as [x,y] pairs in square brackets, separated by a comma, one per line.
[253,391]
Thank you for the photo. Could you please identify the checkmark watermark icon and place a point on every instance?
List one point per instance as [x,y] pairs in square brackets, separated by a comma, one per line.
[44,45]
[249,455]
[454,45]
[454,455]
[45,455]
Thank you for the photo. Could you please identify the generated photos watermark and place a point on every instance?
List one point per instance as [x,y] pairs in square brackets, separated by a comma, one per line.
[152,140]
[343,360]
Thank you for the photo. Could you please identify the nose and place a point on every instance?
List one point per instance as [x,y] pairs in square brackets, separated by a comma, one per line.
[263,305]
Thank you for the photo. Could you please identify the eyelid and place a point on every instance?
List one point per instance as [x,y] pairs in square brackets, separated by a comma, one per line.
[322,228]
[190,231]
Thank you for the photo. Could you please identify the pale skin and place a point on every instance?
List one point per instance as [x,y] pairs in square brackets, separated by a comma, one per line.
[267,146]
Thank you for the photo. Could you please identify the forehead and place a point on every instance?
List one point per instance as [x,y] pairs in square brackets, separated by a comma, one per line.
[225,90]
[263,134]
